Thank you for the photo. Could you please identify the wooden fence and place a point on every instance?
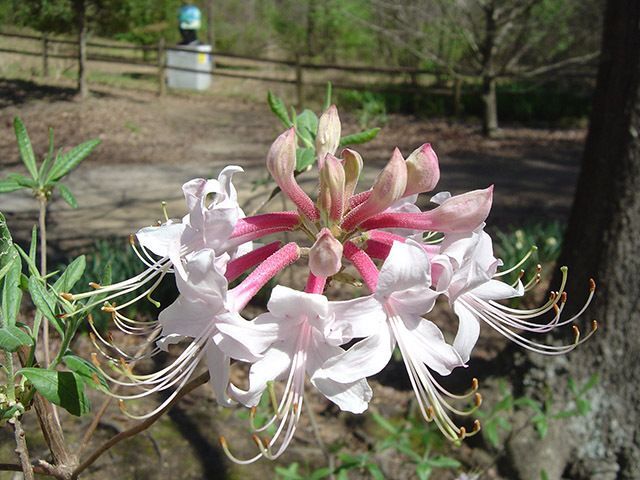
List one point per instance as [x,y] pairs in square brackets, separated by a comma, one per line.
[298,73]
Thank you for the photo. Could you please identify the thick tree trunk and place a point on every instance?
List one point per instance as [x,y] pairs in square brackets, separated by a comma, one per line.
[490,106]
[83,89]
[603,242]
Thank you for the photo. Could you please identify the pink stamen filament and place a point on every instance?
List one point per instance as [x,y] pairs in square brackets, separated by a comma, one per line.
[238,266]
[268,269]
[315,284]
[363,263]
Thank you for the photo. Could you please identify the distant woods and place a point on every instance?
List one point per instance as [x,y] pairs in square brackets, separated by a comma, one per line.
[483,44]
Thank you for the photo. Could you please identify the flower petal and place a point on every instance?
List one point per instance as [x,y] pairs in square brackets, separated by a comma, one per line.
[350,397]
[425,340]
[406,266]
[188,318]
[218,365]
[497,290]
[468,331]
[286,302]
[365,358]
[357,318]
[161,240]
[244,340]
[204,281]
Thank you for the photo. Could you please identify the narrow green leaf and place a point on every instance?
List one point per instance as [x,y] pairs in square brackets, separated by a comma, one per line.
[33,269]
[11,293]
[384,423]
[9,185]
[45,302]
[358,138]
[25,148]
[305,157]
[70,160]
[7,252]
[33,246]
[67,196]
[71,275]
[65,389]
[89,373]
[309,121]
[444,462]
[22,181]
[48,160]
[423,471]
[327,97]
[279,109]
[12,338]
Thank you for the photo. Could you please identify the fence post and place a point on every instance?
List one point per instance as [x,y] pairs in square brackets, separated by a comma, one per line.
[162,86]
[299,83]
[45,55]
[457,93]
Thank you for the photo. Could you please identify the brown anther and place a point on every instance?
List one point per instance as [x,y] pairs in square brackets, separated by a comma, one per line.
[552,296]
[67,296]
[121,405]
[61,315]
[538,268]
[462,433]
[95,378]
[94,359]
[295,408]
[124,364]
[223,441]
[538,277]
[556,309]
[594,325]
[92,336]
[592,285]
[253,411]
[476,426]
[521,274]
[477,399]
[430,413]
[95,285]
[576,332]
[132,239]
[563,297]
[474,384]
[109,337]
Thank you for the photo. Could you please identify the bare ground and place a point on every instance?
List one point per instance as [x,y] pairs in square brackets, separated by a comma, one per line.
[152,145]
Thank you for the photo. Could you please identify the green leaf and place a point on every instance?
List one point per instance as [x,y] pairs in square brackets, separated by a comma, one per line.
[33,246]
[67,196]
[45,302]
[490,431]
[444,462]
[71,275]
[308,121]
[12,338]
[25,148]
[22,181]
[7,252]
[65,389]
[279,109]
[11,293]
[70,160]
[375,471]
[327,97]
[358,138]
[305,157]
[423,471]
[9,185]
[384,423]
[46,164]
[33,269]
[87,370]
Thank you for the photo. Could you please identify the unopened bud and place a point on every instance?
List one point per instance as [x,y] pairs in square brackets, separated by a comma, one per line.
[325,256]
[332,181]
[328,136]
[461,213]
[281,159]
[352,162]
[423,171]
[388,187]
[390,184]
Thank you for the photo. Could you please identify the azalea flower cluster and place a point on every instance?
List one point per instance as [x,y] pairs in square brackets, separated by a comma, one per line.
[406,259]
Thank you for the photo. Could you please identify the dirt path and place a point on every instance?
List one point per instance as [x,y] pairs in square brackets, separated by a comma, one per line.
[151,146]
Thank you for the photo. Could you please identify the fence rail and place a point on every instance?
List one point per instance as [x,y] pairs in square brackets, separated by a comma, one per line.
[297,72]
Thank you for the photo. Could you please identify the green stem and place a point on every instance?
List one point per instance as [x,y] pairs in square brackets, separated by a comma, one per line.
[11,388]
[42,223]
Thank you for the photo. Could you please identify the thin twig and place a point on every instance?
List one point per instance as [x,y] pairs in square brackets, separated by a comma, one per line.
[14,467]
[21,449]
[140,427]
[316,433]
[107,401]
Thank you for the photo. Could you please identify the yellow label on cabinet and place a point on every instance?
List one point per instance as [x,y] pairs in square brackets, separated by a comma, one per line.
[202,58]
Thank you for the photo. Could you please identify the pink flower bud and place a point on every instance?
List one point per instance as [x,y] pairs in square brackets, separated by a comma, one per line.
[388,187]
[325,256]
[332,181]
[281,163]
[352,162]
[423,171]
[328,136]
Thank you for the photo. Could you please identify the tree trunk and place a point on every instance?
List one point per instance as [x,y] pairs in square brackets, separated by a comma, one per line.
[81,11]
[603,241]
[489,106]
